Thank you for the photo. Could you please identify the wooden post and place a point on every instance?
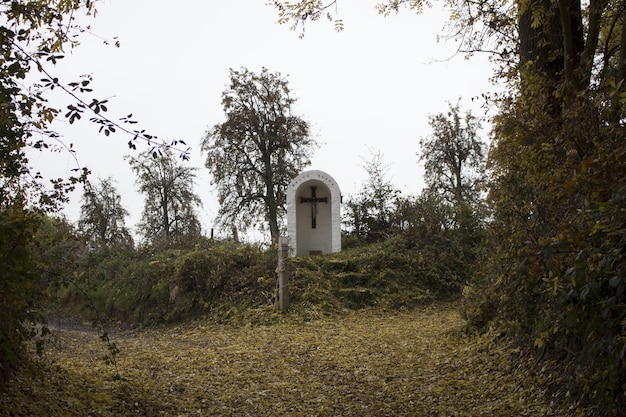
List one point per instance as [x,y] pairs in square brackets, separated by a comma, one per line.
[283,277]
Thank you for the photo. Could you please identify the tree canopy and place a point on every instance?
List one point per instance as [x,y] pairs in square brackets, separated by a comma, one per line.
[33,37]
[453,156]
[169,210]
[256,152]
[102,219]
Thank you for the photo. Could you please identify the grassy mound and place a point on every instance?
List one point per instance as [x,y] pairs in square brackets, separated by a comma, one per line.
[384,275]
[236,283]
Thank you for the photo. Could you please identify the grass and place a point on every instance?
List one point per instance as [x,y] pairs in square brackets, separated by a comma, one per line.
[366,363]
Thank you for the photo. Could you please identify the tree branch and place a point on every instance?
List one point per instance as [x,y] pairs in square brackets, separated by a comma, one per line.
[97,107]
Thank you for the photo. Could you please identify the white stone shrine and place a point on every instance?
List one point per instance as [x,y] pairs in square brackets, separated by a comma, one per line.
[313,214]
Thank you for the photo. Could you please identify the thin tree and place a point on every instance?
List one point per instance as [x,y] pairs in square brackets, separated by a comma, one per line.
[256,152]
[453,156]
[370,210]
[102,217]
[169,211]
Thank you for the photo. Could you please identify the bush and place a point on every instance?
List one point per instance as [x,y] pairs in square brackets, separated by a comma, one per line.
[226,281]
[19,286]
[145,287]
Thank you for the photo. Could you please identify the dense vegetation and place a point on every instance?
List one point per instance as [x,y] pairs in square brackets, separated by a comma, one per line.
[236,282]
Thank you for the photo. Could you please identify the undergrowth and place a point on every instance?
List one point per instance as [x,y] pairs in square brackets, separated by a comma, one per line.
[235,283]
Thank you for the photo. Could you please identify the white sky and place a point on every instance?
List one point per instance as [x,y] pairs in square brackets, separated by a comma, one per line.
[371,86]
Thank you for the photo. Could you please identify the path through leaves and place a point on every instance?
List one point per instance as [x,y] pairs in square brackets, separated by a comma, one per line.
[365,364]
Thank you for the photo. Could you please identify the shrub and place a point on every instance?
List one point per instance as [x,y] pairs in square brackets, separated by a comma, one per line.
[18,284]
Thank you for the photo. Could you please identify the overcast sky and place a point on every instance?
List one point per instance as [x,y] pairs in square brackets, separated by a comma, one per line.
[370,87]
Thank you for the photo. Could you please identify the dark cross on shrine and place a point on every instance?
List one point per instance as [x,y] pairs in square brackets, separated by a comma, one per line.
[313,200]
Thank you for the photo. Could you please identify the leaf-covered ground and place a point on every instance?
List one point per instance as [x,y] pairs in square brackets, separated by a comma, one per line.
[365,364]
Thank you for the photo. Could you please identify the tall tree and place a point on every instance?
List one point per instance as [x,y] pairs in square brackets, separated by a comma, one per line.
[102,218]
[557,182]
[169,211]
[557,190]
[256,152]
[453,156]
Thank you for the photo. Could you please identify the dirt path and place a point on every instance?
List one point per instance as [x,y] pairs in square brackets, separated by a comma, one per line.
[366,364]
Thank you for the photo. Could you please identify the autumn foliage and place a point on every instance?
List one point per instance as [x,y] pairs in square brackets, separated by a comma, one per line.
[417,363]
[545,288]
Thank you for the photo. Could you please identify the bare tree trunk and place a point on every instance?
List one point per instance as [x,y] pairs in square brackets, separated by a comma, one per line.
[271,201]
